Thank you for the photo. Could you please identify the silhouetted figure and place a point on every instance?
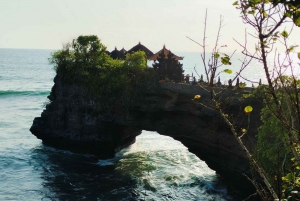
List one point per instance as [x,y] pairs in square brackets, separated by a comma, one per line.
[237,82]
[187,78]
[229,83]
[219,82]
[201,79]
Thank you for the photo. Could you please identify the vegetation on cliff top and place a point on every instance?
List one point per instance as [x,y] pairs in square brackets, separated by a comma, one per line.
[113,82]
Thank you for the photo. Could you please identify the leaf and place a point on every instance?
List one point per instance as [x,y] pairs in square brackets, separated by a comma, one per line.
[298,55]
[285,34]
[216,55]
[251,12]
[290,177]
[265,14]
[296,18]
[291,48]
[264,44]
[225,60]
[227,71]
[248,109]
[288,14]
[242,85]
[197,97]
[235,3]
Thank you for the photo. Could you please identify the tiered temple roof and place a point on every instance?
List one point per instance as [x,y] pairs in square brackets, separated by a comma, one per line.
[140,47]
[165,53]
[118,54]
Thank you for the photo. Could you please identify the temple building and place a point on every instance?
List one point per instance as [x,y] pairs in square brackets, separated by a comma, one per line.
[121,54]
[140,47]
[118,54]
[167,65]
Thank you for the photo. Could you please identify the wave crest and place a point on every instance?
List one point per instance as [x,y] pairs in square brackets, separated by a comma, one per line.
[23,93]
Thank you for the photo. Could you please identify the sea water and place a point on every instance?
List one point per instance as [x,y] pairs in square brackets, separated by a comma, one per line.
[156,167]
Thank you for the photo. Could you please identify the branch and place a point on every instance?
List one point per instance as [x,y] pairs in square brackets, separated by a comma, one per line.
[194,41]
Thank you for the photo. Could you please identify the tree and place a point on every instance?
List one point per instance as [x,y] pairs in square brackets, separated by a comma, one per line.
[281,95]
[136,60]
[112,82]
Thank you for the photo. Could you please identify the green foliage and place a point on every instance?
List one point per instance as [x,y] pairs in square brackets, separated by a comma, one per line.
[111,82]
[280,117]
[272,150]
[273,147]
[285,34]
[291,182]
[242,85]
[225,60]
[136,60]
[296,17]
[216,55]
[83,53]
[227,71]
[292,8]
[248,109]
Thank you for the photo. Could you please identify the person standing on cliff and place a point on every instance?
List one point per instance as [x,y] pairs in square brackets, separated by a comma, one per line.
[187,78]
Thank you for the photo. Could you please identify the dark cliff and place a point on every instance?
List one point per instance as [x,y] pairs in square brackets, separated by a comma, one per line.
[75,122]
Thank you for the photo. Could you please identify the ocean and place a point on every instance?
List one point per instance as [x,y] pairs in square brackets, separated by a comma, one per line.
[156,167]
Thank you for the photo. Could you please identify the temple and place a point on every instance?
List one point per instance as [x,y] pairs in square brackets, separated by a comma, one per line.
[167,65]
[140,47]
[118,54]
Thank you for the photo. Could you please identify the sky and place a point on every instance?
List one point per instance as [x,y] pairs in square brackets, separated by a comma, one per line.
[48,24]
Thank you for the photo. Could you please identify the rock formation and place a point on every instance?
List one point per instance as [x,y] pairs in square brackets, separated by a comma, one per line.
[74,122]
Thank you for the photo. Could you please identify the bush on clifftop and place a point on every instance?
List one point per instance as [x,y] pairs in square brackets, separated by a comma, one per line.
[112,82]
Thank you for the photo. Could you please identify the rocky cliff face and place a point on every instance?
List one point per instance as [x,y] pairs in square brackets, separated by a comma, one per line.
[74,122]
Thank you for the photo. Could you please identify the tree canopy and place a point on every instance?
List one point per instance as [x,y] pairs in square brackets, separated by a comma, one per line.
[85,61]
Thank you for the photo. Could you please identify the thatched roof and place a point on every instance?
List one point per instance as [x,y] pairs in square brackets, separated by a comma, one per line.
[165,52]
[118,54]
[140,47]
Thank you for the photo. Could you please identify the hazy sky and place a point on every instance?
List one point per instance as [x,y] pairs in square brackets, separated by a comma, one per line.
[47,24]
